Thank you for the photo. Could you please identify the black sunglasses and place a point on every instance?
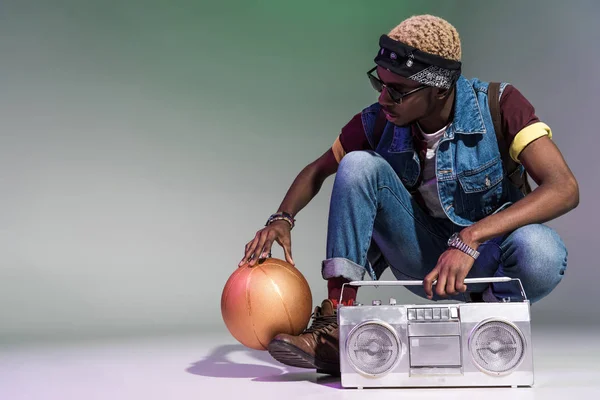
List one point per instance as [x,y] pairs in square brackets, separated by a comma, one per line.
[395,95]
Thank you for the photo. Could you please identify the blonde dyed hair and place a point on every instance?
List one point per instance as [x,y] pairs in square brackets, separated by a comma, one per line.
[429,34]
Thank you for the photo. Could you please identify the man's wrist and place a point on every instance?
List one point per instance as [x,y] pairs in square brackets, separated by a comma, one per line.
[457,242]
[469,236]
[279,216]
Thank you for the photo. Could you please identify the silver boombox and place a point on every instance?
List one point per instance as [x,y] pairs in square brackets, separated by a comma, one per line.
[434,345]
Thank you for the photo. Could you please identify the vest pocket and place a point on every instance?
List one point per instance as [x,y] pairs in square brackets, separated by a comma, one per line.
[481,191]
[481,179]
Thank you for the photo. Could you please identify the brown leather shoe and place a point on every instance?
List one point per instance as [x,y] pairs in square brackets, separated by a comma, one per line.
[316,347]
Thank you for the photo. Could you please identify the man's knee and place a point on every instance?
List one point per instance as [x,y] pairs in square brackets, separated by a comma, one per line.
[359,167]
[539,245]
[540,256]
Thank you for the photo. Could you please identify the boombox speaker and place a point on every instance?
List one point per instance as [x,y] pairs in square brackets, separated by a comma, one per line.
[435,345]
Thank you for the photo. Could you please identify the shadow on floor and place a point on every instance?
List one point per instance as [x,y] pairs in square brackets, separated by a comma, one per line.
[217,364]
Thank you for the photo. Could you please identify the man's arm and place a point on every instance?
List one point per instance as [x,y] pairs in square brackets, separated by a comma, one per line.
[304,188]
[308,183]
[557,193]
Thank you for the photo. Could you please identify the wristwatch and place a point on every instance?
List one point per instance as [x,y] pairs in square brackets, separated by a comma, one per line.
[456,242]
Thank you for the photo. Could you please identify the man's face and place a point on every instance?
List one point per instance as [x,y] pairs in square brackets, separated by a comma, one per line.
[413,107]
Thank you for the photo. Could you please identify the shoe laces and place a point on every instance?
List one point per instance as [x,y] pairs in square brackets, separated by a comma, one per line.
[326,323]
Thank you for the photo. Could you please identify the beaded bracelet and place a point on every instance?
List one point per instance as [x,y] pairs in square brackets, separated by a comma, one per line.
[281,216]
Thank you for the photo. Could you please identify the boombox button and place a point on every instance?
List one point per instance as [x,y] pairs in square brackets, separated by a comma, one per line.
[445,313]
[453,312]
[412,314]
[428,313]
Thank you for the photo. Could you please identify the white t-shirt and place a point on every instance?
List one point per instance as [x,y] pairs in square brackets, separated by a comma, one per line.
[429,187]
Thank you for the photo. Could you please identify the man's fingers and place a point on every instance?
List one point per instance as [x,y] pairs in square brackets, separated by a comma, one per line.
[451,278]
[460,280]
[250,254]
[286,243]
[428,283]
[287,249]
[258,249]
[266,249]
[440,287]
[247,249]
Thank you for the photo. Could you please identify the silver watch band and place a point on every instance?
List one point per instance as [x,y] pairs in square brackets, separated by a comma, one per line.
[462,246]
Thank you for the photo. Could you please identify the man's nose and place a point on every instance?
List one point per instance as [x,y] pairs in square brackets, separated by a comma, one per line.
[384,98]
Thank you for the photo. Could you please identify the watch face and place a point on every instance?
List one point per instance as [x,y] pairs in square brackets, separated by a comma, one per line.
[451,240]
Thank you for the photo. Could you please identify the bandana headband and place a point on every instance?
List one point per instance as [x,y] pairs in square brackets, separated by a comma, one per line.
[412,63]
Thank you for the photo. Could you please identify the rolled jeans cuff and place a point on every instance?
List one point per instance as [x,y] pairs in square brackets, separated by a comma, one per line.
[342,267]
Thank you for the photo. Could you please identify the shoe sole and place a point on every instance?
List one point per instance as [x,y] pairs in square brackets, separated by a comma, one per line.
[291,355]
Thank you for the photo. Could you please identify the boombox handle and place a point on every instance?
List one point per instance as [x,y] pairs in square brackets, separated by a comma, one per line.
[417,283]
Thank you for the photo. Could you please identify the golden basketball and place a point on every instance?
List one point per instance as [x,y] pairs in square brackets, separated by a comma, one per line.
[264,300]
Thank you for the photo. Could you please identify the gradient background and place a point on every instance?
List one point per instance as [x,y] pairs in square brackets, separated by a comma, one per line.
[143,143]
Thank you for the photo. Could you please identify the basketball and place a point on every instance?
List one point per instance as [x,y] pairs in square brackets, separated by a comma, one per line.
[264,300]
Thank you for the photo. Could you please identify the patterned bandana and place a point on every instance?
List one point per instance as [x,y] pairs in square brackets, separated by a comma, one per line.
[412,63]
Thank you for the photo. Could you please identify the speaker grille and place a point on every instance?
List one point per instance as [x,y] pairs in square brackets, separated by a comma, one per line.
[373,348]
[497,347]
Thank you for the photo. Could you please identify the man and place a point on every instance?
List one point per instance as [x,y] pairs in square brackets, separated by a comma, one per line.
[421,187]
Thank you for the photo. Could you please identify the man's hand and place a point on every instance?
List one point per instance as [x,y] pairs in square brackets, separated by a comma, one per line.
[450,271]
[260,246]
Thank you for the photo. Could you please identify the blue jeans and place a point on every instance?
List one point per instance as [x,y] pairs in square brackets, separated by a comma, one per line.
[375,223]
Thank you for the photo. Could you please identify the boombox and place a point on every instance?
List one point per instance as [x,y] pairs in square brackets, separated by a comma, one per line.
[437,344]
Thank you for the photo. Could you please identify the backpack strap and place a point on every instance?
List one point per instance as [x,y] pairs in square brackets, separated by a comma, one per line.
[511,167]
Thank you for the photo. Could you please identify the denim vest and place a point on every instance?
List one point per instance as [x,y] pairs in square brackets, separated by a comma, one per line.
[472,183]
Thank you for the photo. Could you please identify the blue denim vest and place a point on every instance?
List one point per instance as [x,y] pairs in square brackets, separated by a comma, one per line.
[472,183]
